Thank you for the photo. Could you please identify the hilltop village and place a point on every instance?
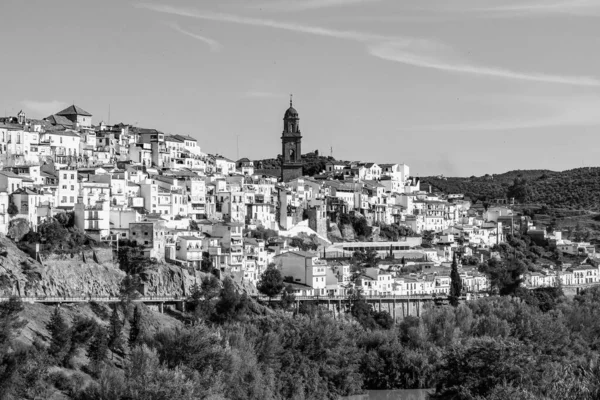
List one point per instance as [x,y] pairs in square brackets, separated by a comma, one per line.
[161,195]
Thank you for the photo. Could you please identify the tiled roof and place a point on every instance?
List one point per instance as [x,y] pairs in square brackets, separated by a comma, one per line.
[171,138]
[300,253]
[74,110]
[185,137]
[10,174]
[59,120]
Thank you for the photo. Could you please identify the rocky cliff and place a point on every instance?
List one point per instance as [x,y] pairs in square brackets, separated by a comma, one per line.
[88,273]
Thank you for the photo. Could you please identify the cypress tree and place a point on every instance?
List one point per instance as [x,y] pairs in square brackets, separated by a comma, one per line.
[115,340]
[455,283]
[136,328]
[60,336]
[98,347]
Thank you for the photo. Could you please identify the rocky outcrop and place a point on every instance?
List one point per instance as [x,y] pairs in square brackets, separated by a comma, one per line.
[88,273]
[348,233]
[375,234]
[169,280]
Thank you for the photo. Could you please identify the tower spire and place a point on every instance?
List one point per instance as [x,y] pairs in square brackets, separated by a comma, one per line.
[291,96]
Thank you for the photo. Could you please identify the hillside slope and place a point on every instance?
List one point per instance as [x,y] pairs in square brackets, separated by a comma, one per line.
[573,189]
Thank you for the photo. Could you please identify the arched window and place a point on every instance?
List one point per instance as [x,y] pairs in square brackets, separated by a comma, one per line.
[292,155]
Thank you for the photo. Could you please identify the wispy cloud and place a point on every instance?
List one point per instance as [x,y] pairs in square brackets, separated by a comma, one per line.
[412,51]
[213,44]
[44,108]
[393,51]
[265,23]
[303,5]
[555,112]
[573,7]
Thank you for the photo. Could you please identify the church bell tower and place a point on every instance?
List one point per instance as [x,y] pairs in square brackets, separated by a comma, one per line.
[291,151]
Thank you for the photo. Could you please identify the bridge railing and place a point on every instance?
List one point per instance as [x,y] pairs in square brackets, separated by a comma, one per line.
[83,299]
[369,297]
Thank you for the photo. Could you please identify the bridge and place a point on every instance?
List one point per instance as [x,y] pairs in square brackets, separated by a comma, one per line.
[157,302]
[398,306]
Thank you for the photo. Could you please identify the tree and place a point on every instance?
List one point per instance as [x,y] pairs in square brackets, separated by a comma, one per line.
[455,283]
[287,297]
[9,359]
[210,287]
[428,238]
[82,331]
[135,329]
[115,332]
[206,265]
[362,311]
[271,282]
[383,319]
[203,296]
[12,210]
[60,337]
[368,258]
[226,307]
[98,348]
[128,292]
[9,322]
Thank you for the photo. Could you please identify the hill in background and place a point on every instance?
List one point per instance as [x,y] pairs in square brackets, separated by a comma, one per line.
[576,189]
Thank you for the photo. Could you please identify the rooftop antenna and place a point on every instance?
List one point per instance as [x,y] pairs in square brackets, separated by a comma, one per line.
[109,114]
[238,147]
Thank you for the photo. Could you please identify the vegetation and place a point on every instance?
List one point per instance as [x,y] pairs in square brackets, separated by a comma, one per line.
[539,345]
[455,283]
[312,163]
[12,209]
[394,232]
[359,224]
[271,282]
[58,235]
[60,337]
[574,189]
[135,330]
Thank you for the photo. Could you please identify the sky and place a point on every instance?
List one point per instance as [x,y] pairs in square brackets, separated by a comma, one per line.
[458,88]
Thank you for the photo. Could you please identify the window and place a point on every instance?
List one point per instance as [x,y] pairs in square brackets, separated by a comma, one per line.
[64,176]
[133,234]
[145,242]
[145,233]
[72,187]
[72,176]
[64,199]
[64,187]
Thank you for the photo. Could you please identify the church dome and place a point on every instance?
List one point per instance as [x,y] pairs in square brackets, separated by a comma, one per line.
[291,113]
